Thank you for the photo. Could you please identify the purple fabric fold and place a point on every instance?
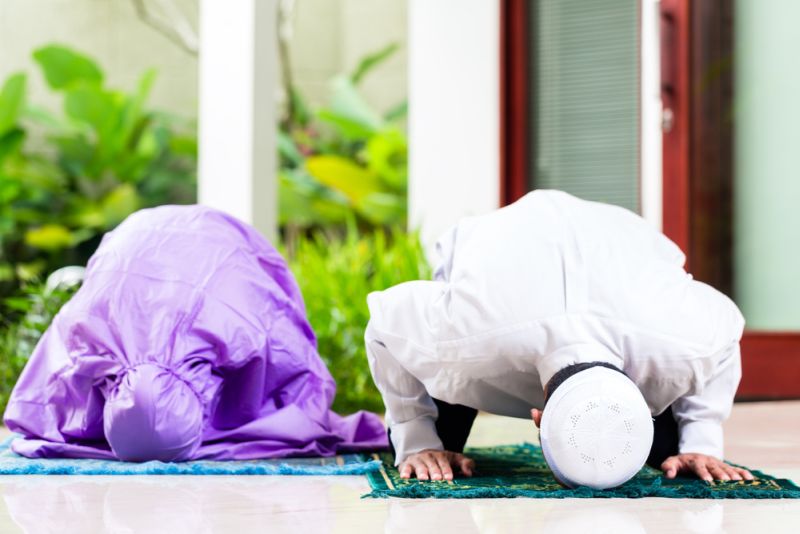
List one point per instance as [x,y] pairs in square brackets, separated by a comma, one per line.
[188,340]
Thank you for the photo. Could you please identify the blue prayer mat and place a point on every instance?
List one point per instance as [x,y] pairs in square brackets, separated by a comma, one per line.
[345,464]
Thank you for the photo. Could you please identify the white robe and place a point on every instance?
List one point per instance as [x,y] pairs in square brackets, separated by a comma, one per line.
[550,281]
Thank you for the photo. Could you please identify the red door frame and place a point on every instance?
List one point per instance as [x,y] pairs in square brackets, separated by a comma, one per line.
[770,361]
[514,117]
[675,60]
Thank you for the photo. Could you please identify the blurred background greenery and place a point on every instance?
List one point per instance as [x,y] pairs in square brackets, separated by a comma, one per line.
[69,176]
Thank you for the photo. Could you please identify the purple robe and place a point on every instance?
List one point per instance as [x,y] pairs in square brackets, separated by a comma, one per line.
[188,340]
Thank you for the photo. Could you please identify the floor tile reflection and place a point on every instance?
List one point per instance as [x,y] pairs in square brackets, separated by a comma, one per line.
[757,434]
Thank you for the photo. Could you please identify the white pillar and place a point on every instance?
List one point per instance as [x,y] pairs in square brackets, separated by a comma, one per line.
[651,134]
[454,112]
[238,72]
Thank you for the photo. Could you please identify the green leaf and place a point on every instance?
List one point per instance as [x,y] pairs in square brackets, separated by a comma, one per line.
[49,237]
[143,90]
[148,146]
[331,208]
[64,67]
[383,208]
[288,150]
[120,203]
[183,145]
[9,190]
[30,270]
[20,304]
[87,214]
[6,272]
[398,112]
[347,102]
[44,117]
[304,202]
[301,111]
[343,175]
[294,202]
[91,105]
[132,112]
[75,152]
[351,130]
[11,143]
[12,102]
[387,157]
[371,61]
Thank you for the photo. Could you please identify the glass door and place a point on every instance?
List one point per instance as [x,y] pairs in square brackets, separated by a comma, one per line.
[735,203]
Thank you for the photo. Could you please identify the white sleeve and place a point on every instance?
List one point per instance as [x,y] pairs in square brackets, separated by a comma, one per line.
[410,411]
[700,416]
[445,249]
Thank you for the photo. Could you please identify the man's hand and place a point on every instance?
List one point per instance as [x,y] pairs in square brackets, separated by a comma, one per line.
[435,465]
[705,467]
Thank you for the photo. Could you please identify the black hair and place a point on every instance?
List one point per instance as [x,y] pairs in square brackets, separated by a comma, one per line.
[570,370]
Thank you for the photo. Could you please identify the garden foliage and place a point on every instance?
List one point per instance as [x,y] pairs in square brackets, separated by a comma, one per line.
[68,177]
[343,160]
[335,276]
[35,305]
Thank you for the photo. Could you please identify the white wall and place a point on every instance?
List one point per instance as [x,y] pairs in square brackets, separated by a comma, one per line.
[108,30]
[454,119]
[331,36]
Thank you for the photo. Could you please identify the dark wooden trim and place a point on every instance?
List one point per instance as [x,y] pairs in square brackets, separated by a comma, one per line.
[770,366]
[697,84]
[675,72]
[711,147]
[514,69]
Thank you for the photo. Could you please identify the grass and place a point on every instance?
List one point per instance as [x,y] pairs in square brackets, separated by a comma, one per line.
[29,315]
[335,275]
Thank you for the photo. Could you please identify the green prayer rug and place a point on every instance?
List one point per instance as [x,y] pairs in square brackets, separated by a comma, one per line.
[521,471]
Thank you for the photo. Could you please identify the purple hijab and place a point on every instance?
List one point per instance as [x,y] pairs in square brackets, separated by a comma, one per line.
[187,340]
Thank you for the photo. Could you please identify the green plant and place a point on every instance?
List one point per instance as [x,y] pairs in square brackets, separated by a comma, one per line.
[66,178]
[343,159]
[335,275]
[36,305]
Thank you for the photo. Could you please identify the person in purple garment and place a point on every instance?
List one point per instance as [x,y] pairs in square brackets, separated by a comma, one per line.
[187,340]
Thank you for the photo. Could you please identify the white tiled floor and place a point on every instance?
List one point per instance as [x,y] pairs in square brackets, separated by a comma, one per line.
[766,435]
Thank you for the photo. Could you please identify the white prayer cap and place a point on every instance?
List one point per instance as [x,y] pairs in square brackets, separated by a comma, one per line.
[596,430]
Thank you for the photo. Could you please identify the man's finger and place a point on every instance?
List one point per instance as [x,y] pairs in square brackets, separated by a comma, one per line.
[747,475]
[701,471]
[433,467]
[466,465]
[406,470]
[717,471]
[536,415]
[670,466]
[732,473]
[421,470]
[444,465]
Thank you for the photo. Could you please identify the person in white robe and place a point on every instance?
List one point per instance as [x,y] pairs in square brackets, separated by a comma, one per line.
[527,296]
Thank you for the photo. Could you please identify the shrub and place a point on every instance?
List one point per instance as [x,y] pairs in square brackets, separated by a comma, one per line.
[66,178]
[335,275]
[343,161]
[36,305]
